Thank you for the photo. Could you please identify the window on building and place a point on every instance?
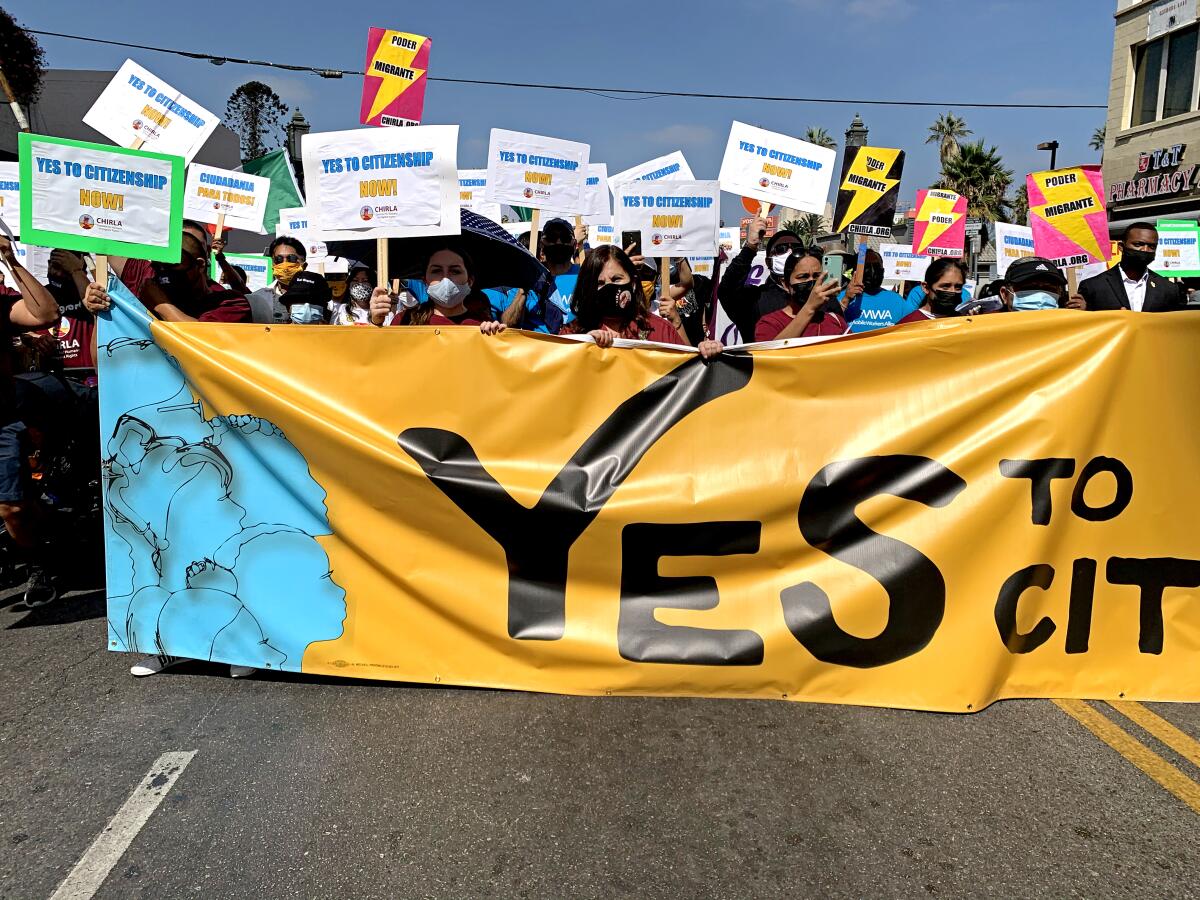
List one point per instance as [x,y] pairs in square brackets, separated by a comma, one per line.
[1165,82]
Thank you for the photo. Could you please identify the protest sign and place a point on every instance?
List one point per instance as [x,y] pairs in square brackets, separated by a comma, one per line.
[396,73]
[35,260]
[220,196]
[382,182]
[868,191]
[775,168]
[516,229]
[535,171]
[701,265]
[829,518]
[901,264]
[600,234]
[675,218]
[139,108]
[593,203]
[672,167]
[728,240]
[1178,249]
[471,184]
[941,224]
[1013,242]
[1067,215]
[294,223]
[99,199]
[256,266]
[10,196]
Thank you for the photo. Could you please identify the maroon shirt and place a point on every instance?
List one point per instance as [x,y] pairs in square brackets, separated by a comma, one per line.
[770,325]
[651,328]
[916,315]
[436,318]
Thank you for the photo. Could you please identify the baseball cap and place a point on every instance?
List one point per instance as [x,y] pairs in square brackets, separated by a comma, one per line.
[307,287]
[1033,268]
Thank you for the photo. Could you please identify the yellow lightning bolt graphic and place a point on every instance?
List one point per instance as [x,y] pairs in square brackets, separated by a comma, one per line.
[937,202]
[865,196]
[1070,186]
[390,54]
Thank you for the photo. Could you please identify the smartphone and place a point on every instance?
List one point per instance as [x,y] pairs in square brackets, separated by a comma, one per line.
[634,238]
[832,266]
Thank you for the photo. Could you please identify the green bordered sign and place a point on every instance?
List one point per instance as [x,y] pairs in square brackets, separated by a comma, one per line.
[99,199]
[258,269]
[1178,249]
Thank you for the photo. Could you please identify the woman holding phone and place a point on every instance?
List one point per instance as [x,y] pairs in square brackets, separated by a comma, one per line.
[807,314]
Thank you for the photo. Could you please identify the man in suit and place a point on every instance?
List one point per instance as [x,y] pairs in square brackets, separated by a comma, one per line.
[1130,284]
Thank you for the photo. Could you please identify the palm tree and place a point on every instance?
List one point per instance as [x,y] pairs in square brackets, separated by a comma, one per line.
[1020,206]
[1097,142]
[946,131]
[977,173]
[808,226]
[820,137]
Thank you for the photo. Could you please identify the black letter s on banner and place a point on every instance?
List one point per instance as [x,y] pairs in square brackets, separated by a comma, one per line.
[916,589]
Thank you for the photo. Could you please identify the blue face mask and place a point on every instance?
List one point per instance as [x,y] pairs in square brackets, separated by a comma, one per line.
[1035,300]
[307,314]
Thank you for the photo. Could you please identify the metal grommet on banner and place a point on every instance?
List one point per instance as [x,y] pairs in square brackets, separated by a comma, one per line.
[267,328]
[437,331]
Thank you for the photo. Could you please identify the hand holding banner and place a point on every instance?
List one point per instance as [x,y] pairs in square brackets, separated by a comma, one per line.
[536,171]
[1067,215]
[396,73]
[140,108]
[775,168]
[941,225]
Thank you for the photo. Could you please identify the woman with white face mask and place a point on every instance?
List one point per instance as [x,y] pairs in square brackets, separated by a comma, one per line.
[356,310]
[746,303]
[449,288]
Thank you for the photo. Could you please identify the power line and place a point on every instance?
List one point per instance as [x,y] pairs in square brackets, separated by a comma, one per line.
[624,93]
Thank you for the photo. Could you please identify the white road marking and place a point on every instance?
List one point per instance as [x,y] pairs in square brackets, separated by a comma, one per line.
[110,844]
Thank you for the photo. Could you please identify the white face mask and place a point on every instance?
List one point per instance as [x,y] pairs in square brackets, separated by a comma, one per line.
[779,263]
[360,292]
[447,294]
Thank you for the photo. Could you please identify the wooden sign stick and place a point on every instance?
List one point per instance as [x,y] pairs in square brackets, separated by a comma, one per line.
[102,260]
[1072,282]
[381,262]
[666,277]
[220,226]
[535,225]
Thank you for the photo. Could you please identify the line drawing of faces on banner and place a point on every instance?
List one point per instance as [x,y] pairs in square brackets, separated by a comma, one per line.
[212,550]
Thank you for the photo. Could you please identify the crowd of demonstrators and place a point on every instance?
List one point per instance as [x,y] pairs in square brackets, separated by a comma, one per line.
[607,293]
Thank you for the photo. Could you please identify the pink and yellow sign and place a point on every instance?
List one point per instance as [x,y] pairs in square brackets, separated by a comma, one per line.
[941,225]
[1067,215]
[394,83]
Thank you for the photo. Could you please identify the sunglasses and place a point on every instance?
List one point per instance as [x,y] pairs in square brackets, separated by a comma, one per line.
[279,258]
[783,248]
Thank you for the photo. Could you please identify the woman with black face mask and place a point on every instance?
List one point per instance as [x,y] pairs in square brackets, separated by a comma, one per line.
[607,305]
[943,284]
[806,315]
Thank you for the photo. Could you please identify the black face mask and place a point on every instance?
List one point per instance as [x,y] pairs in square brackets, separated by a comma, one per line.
[945,303]
[872,279]
[801,291]
[558,254]
[1136,261]
[615,301]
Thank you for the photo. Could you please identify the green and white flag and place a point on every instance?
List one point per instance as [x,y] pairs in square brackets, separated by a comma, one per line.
[285,192]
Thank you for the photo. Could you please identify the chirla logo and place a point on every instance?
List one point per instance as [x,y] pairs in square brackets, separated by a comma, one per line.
[528,192]
[86,222]
[366,214]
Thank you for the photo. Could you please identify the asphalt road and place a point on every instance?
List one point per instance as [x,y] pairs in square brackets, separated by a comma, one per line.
[311,787]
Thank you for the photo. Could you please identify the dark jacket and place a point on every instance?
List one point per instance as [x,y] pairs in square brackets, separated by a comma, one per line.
[745,303]
[1107,291]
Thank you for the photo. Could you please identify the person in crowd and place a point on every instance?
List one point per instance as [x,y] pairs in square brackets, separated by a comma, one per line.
[608,304]
[993,297]
[688,302]
[1130,284]
[72,339]
[1036,283]
[448,284]
[807,313]
[943,291]
[26,305]
[548,306]
[307,299]
[745,304]
[868,305]
[338,283]
[360,285]
[288,257]
[232,276]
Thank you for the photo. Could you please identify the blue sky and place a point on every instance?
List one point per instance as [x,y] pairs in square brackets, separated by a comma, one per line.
[1037,51]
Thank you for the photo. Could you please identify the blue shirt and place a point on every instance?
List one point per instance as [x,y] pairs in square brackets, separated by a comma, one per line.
[564,290]
[867,312]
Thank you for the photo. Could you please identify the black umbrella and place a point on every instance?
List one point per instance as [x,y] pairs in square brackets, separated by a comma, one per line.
[500,260]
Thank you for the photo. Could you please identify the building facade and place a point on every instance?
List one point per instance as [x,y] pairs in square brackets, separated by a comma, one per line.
[1152,136]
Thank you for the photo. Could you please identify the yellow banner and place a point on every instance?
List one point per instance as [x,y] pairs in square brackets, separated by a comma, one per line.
[934,517]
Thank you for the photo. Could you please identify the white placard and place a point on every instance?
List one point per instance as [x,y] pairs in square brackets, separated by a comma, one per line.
[729,240]
[382,182]
[598,235]
[137,105]
[1167,15]
[701,265]
[293,222]
[1178,251]
[35,260]
[471,183]
[535,171]
[128,197]
[776,168]
[1013,242]
[672,167]
[258,269]
[242,198]
[901,264]
[676,218]
[593,205]
[516,229]
[10,196]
